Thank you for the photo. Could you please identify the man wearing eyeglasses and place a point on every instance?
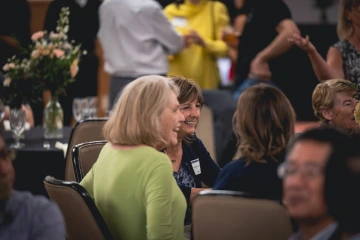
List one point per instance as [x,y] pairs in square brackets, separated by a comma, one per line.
[22,215]
[303,180]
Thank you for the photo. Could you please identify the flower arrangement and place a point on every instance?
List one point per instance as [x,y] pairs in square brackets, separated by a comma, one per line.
[16,86]
[50,63]
[53,59]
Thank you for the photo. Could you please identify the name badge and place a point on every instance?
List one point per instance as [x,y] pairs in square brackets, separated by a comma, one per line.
[196,166]
[179,22]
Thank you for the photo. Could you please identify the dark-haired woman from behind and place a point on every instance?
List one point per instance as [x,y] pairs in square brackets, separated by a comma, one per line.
[263,123]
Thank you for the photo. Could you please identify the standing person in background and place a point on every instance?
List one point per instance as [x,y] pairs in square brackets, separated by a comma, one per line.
[204,20]
[264,38]
[83,28]
[343,58]
[136,38]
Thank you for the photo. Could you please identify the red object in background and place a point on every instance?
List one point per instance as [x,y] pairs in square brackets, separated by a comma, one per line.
[232,72]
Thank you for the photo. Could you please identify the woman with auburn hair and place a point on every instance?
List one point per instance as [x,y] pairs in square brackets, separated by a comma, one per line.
[132,182]
[342,60]
[191,162]
[263,123]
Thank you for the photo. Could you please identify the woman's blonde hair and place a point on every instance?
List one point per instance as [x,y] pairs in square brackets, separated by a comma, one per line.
[344,26]
[323,97]
[136,116]
[263,122]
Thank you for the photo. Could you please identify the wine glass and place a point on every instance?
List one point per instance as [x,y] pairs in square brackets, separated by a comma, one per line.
[2,112]
[92,107]
[78,107]
[17,124]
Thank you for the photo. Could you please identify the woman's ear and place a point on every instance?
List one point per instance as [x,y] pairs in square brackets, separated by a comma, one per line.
[327,114]
[347,15]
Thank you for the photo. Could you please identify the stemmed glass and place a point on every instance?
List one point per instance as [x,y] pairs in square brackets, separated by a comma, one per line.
[17,124]
[79,104]
[2,112]
[84,108]
[91,110]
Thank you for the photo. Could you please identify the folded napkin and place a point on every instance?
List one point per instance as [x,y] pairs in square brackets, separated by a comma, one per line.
[8,128]
[62,146]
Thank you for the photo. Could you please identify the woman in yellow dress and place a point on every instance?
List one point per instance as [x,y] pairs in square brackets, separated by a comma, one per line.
[204,20]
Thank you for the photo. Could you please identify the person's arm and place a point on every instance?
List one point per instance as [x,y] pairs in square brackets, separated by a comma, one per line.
[259,65]
[216,47]
[48,222]
[29,114]
[189,193]
[227,177]
[324,70]
[209,169]
[158,200]
[166,34]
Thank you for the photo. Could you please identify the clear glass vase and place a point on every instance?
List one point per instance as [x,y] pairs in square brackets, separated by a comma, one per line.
[53,119]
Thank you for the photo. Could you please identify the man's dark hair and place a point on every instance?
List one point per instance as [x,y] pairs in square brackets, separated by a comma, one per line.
[342,194]
[342,174]
[340,142]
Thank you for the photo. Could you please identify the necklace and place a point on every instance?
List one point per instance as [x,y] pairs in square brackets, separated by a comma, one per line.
[172,158]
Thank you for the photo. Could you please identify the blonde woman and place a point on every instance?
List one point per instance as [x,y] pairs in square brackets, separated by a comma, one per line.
[132,182]
[263,123]
[343,58]
[334,104]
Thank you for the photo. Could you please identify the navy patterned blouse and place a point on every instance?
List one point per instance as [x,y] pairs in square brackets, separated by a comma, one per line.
[351,60]
[186,177]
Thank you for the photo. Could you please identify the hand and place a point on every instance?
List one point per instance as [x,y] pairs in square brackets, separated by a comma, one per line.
[194,192]
[10,41]
[187,40]
[259,69]
[196,38]
[230,37]
[303,43]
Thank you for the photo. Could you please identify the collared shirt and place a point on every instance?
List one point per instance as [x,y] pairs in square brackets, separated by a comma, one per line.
[28,217]
[322,235]
[136,38]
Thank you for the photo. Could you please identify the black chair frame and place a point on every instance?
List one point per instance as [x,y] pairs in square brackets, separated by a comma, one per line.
[79,174]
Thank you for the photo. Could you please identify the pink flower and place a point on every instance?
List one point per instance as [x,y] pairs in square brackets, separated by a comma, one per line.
[74,68]
[58,53]
[8,66]
[35,54]
[46,52]
[7,82]
[37,35]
